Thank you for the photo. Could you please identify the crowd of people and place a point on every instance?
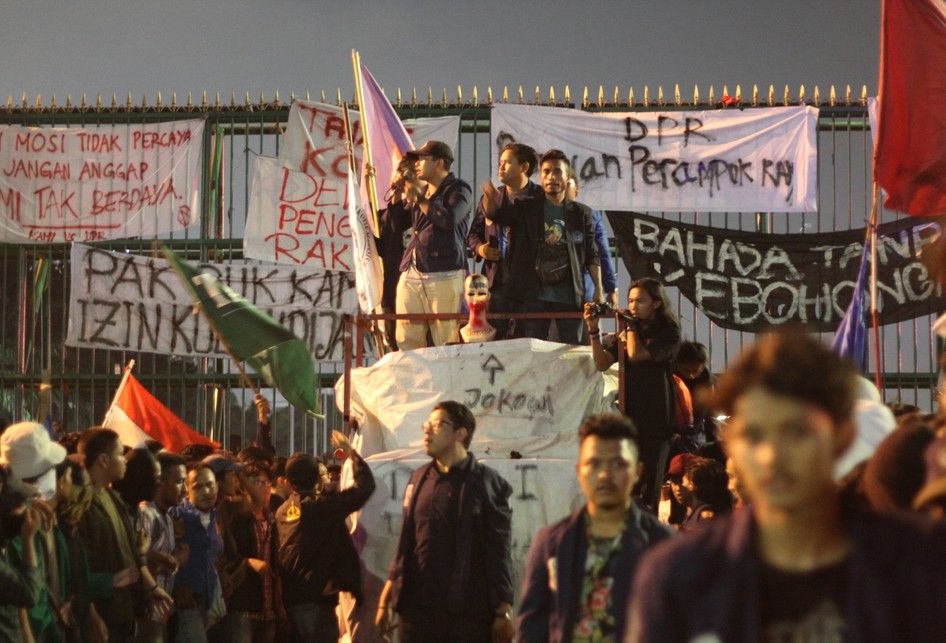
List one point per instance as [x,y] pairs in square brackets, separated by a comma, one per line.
[755,536]
[782,502]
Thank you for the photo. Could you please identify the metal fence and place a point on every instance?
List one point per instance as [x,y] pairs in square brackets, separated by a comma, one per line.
[42,378]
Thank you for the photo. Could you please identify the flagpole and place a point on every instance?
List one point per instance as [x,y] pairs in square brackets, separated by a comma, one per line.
[369,168]
[875,319]
[379,338]
[121,385]
[247,382]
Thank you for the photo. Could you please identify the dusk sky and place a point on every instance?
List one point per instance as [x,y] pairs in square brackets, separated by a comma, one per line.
[121,46]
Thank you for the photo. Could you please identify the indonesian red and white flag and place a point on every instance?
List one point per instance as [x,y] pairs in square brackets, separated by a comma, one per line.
[910,154]
[136,415]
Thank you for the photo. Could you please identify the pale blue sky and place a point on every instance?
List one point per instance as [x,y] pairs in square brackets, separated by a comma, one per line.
[143,46]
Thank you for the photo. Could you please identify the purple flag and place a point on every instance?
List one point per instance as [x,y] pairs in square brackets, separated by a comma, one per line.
[388,139]
[850,339]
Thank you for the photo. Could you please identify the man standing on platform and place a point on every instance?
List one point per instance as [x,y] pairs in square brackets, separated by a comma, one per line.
[453,566]
[434,263]
[551,245]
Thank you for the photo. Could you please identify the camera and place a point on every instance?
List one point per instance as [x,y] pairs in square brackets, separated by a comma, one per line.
[601,309]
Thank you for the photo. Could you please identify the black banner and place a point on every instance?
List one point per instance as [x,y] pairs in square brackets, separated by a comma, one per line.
[750,281]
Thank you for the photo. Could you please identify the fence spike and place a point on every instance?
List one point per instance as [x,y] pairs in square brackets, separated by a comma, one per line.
[98,102]
[864,95]
[738,92]
[786,98]
[232,98]
[616,96]
[584,97]
[600,95]
[128,102]
[832,97]
[519,97]
[646,101]
[630,96]
[771,96]
[711,97]
[489,94]
[159,101]
[38,104]
[676,95]
[551,94]
[52,102]
[83,103]
[459,95]
[276,98]
[321,95]
[505,94]
[847,95]
[144,101]
[443,97]
[660,95]
[68,101]
[173,100]
[398,97]
[9,102]
[725,90]
[476,96]
[816,96]
[538,95]
[24,100]
[696,95]
[755,95]
[413,96]
[801,95]
[217,100]
[246,101]
[292,96]
[262,100]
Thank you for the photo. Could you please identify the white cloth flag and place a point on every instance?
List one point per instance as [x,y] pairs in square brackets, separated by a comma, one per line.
[367,262]
[752,160]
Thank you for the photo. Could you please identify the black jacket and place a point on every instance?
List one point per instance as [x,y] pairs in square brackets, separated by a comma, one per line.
[706,584]
[482,570]
[526,220]
[549,606]
[316,552]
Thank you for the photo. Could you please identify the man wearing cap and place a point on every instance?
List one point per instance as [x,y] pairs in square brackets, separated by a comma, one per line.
[434,263]
[31,457]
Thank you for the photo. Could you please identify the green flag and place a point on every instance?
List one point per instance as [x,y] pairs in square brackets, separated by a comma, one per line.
[253,336]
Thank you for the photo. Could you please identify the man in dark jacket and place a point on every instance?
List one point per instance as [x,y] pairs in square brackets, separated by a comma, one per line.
[579,571]
[434,262]
[453,566]
[317,558]
[551,245]
[795,565]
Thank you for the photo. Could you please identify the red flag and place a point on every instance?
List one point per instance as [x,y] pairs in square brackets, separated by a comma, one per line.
[910,155]
[136,415]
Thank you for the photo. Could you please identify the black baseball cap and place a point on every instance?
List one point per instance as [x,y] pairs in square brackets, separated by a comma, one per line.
[436,149]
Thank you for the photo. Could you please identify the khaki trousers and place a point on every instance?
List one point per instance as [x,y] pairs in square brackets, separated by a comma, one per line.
[434,292]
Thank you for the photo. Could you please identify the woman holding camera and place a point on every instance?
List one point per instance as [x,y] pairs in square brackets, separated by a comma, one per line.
[651,337]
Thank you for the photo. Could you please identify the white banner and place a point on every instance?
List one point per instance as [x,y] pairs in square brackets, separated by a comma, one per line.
[527,395]
[752,160]
[130,302]
[298,209]
[87,184]
[297,218]
[314,141]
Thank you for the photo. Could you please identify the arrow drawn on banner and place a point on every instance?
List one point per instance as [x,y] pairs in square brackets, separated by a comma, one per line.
[492,364]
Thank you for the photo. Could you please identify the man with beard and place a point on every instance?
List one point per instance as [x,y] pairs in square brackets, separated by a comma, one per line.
[579,571]
[453,561]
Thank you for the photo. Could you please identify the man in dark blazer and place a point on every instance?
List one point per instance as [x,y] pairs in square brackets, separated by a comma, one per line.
[579,570]
[453,567]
